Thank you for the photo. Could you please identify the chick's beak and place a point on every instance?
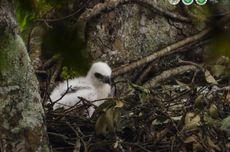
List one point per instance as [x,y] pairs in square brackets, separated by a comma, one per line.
[107,80]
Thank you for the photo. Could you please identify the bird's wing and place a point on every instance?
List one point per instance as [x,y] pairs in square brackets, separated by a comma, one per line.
[67,94]
[65,87]
[75,89]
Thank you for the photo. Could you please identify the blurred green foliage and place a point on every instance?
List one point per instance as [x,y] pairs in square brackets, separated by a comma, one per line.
[64,38]
[30,10]
[220,46]
[69,73]
[69,42]
[199,14]
[218,55]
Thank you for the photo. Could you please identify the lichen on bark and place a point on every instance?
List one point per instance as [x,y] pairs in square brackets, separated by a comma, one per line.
[20,109]
[22,124]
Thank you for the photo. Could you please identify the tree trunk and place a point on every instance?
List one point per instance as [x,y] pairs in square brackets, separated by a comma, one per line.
[22,123]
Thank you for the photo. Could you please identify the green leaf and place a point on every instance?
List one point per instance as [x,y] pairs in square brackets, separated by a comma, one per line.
[109,116]
[101,126]
[225,124]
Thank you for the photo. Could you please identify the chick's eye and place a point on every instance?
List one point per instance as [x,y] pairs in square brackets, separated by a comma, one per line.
[98,75]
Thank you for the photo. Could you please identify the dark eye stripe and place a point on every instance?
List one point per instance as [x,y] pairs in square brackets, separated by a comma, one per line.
[98,75]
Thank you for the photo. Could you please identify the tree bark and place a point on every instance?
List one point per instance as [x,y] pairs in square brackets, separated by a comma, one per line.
[22,123]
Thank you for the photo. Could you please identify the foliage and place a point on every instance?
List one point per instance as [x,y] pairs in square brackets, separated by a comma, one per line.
[199,15]
[226,124]
[69,73]
[67,41]
[28,11]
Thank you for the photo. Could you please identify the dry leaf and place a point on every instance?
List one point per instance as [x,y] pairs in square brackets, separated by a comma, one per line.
[115,145]
[101,126]
[209,78]
[109,116]
[228,97]
[213,111]
[197,147]
[119,104]
[199,102]
[190,139]
[218,70]
[192,120]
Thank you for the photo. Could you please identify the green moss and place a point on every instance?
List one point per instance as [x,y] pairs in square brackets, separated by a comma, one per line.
[18,76]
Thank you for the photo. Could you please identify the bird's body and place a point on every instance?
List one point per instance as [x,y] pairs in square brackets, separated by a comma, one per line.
[92,87]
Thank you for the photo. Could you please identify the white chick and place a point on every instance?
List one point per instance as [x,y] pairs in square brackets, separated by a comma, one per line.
[96,85]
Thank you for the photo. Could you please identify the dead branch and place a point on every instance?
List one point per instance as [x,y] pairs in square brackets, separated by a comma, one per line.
[145,72]
[169,73]
[158,54]
[192,63]
[153,64]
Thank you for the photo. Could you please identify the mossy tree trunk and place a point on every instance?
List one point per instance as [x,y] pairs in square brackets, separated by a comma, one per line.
[22,123]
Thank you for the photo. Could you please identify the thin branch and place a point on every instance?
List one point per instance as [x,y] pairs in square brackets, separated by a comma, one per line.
[169,73]
[191,63]
[137,145]
[65,138]
[77,146]
[67,91]
[146,71]
[153,64]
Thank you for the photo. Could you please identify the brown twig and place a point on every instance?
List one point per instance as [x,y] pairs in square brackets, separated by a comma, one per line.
[67,90]
[191,63]
[169,73]
[137,145]
[77,146]
[153,63]
[145,72]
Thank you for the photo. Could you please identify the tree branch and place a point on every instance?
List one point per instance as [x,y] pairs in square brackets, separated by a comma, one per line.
[169,73]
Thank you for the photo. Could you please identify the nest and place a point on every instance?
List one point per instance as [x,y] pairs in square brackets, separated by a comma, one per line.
[168,118]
